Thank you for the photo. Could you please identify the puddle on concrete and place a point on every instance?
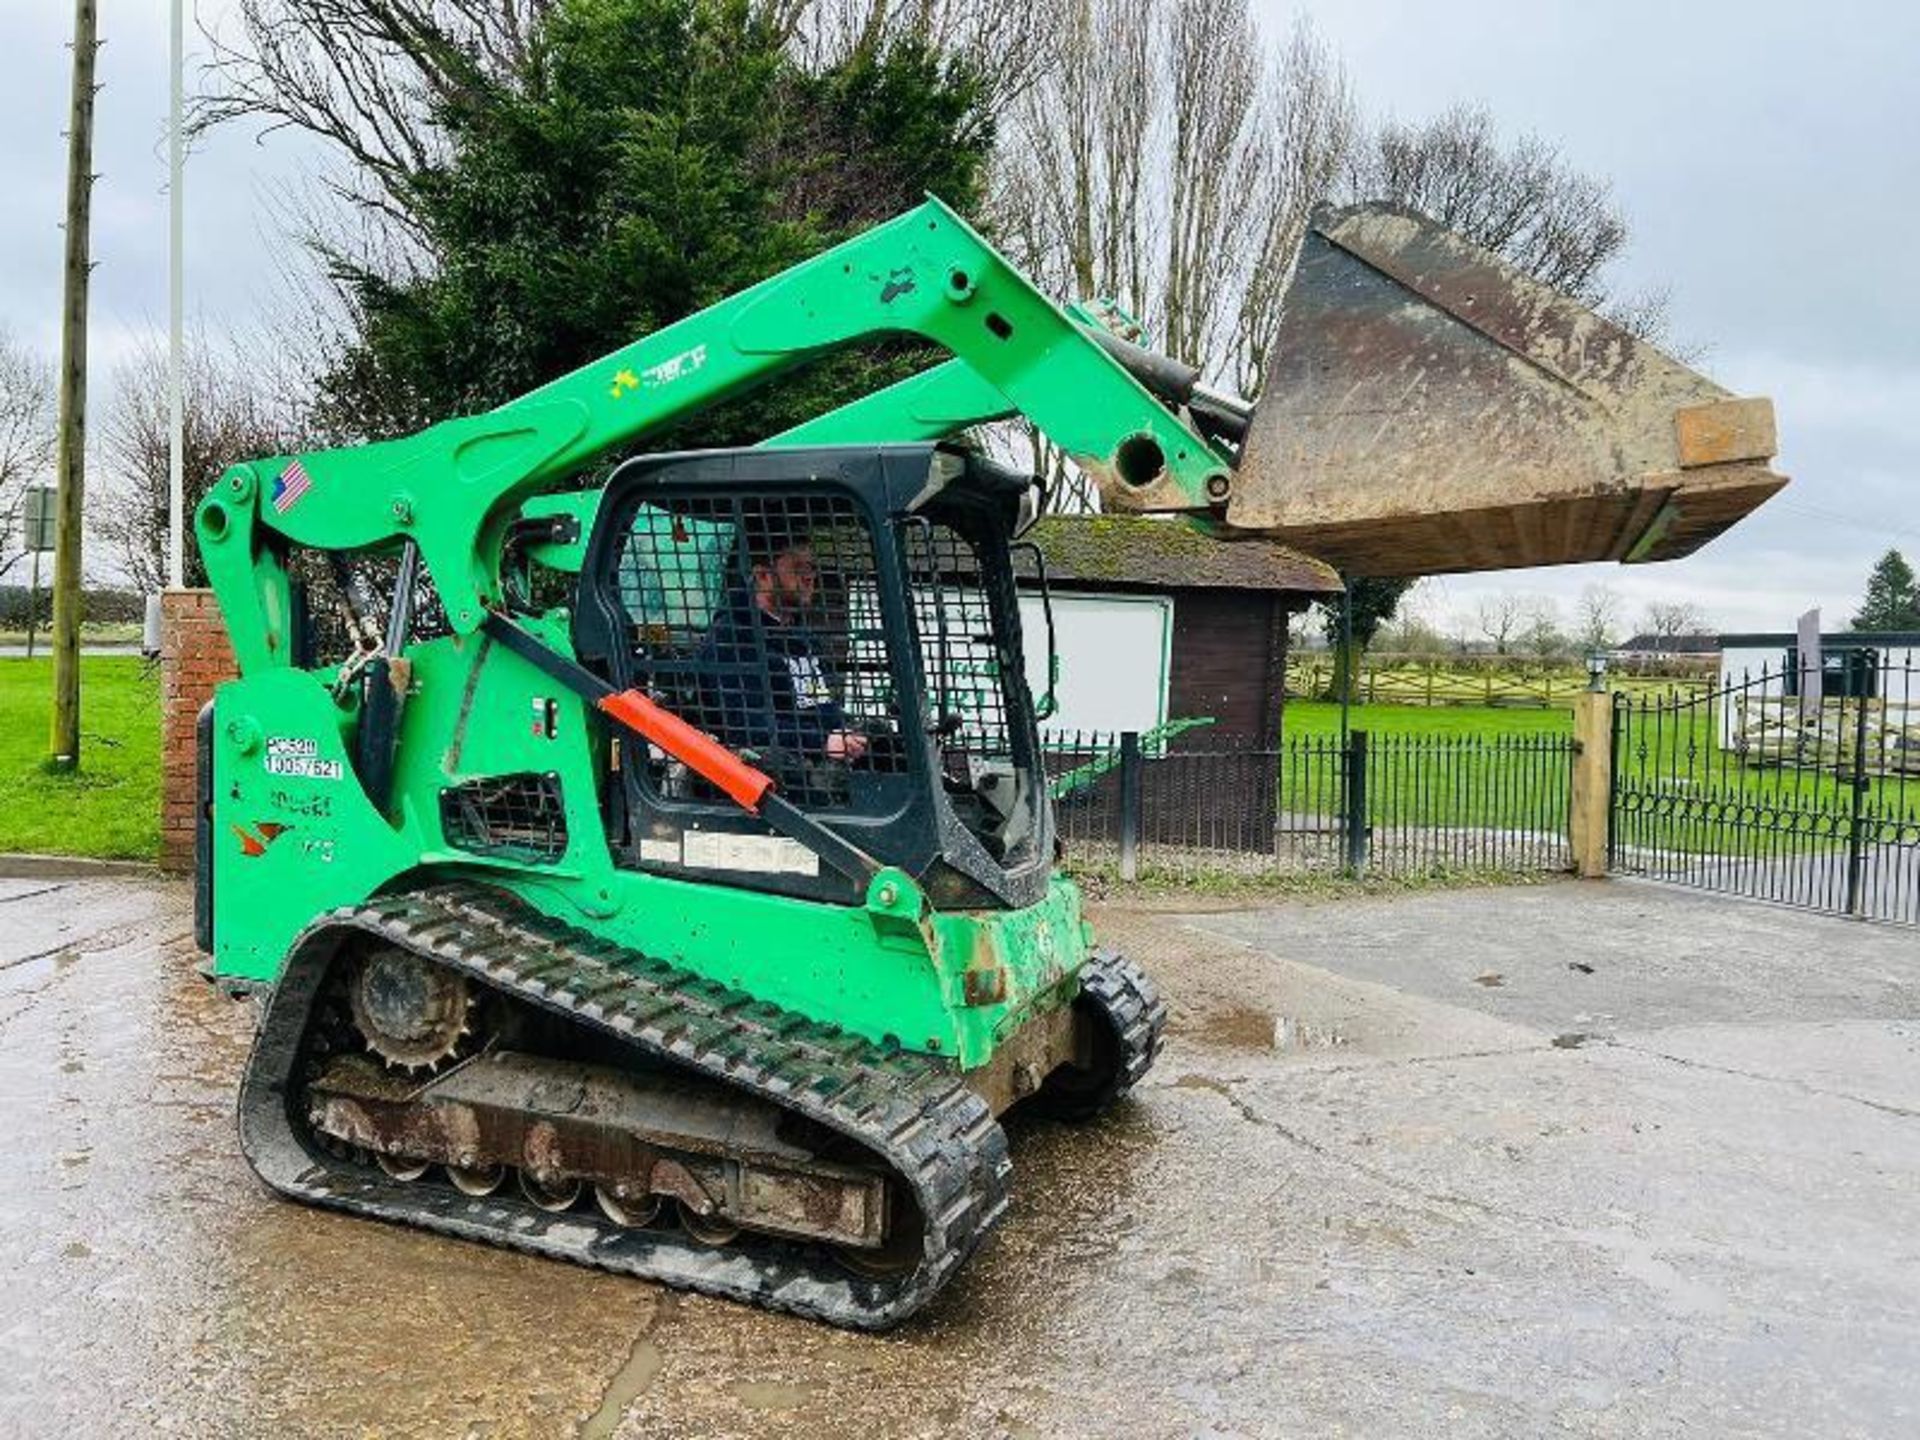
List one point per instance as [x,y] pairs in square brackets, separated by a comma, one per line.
[1247,1028]
[770,1395]
[1203,1082]
[629,1382]
[1241,1028]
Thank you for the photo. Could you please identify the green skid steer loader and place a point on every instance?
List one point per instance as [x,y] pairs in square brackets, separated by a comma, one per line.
[661,875]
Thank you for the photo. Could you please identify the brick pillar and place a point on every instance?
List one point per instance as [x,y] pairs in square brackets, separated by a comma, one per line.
[194,657]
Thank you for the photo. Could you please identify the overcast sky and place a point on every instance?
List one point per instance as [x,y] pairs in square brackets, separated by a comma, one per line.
[1766,154]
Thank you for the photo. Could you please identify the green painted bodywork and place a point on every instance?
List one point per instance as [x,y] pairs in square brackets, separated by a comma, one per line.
[293,832]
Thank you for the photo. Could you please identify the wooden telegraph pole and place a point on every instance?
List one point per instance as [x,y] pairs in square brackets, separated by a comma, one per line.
[70,469]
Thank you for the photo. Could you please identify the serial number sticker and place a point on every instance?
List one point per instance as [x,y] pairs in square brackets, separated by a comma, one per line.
[763,854]
[299,757]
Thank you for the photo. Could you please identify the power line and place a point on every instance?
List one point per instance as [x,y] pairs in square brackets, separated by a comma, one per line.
[1834,517]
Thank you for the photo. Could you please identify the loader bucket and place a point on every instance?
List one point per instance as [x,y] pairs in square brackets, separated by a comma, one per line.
[1431,409]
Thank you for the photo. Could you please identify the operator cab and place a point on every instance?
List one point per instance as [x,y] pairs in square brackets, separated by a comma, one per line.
[846,620]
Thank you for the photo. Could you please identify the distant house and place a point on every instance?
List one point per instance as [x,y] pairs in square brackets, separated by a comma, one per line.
[1745,656]
[1761,676]
[1156,621]
[1665,647]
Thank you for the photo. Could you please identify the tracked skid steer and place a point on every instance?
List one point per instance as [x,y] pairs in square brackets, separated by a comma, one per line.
[659,873]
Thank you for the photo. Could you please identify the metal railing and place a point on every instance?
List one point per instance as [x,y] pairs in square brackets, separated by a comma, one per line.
[1394,804]
[1778,788]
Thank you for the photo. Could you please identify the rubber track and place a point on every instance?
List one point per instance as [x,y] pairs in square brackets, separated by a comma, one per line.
[1133,1007]
[911,1110]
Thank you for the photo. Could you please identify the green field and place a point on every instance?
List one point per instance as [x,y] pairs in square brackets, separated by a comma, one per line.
[110,807]
[1482,682]
[1315,717]
[1489,765]
[104,632]
[1438,767]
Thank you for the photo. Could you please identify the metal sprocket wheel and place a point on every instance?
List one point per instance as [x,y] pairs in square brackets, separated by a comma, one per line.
[412,1013]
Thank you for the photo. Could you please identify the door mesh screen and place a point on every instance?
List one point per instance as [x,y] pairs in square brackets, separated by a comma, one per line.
[963,630]
[757,619]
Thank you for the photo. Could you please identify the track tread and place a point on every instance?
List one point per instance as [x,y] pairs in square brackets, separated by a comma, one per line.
[941,1138]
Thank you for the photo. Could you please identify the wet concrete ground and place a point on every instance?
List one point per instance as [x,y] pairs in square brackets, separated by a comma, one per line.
[1604,1159]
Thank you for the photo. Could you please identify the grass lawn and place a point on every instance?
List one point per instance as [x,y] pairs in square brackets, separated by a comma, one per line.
[1315,717]
[110,807]
[1457,767]
[103,632]
[1489,765]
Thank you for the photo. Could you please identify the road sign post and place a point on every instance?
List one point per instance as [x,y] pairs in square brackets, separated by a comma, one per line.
[40,524]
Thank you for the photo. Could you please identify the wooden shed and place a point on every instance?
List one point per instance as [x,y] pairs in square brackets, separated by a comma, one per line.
[1220,609]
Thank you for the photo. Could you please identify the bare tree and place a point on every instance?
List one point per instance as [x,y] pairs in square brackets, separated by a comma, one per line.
[366,77]
[1070,199]
[1521,200]
[26,440]
[1168,162]
[1499,617]
[1541,637]
[1004,46]
[1216,163]
[1308,134]
[1597,616]
[229,417]
[1668,619]
[1412,635]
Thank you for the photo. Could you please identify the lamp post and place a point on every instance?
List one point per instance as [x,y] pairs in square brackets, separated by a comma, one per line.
[176,294]
[1596,671]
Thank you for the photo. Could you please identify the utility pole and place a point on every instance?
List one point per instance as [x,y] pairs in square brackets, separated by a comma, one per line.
[70,471]
[176,294]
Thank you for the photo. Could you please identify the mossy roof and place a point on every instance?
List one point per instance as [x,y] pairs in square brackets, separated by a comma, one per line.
[1168,554]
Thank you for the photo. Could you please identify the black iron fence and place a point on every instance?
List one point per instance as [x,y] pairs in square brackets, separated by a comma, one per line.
[1798,789]
[1397,804]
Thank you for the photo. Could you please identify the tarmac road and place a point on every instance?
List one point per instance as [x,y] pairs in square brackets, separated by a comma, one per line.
[1405,1169]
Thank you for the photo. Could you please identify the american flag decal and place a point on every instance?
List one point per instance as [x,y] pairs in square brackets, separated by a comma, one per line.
[290,485]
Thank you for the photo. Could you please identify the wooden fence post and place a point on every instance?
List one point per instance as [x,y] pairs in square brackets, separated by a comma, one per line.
[1588,812]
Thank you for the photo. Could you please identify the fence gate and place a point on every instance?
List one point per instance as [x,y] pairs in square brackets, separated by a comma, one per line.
[1192,803]
[1802,790]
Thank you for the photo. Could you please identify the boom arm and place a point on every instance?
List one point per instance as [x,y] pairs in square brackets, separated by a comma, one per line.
[454,488]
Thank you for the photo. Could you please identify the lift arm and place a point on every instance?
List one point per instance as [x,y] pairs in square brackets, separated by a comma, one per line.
[454,489]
